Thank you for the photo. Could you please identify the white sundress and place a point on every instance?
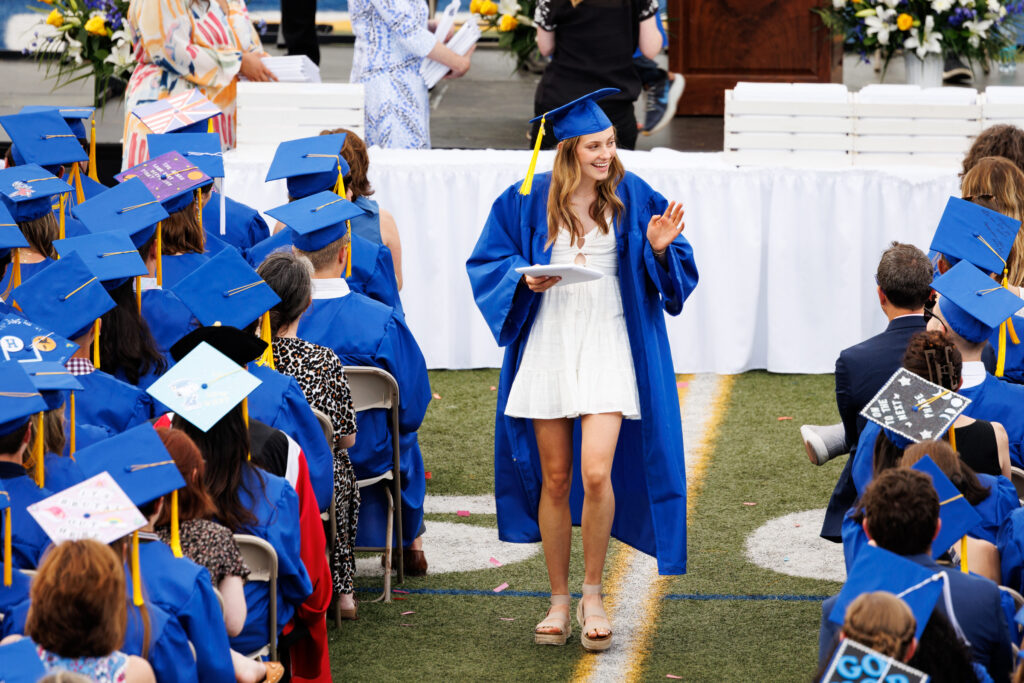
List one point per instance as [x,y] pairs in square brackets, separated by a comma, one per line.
[577,359]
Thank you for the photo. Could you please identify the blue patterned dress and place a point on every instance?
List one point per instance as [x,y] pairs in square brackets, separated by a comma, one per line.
[391,41]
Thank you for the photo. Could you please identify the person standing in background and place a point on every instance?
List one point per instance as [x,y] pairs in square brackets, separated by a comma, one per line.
[298,27]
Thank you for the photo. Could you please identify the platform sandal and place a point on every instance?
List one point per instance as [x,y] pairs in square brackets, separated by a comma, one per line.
[554,620]
[595,619]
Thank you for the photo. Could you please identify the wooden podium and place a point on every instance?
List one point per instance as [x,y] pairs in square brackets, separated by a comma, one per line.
[715,43]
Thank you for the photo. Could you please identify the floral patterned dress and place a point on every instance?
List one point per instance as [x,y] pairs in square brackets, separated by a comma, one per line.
[112,668]
[391,41]
[180,45]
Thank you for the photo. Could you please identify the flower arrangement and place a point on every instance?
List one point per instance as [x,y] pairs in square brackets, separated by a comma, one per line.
[972,29]
[83,38]
[513,20]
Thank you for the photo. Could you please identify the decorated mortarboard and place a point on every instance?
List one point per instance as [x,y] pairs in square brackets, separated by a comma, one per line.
[973,304]
[957,515]
[202,149]
[238,345]
[318,220]
[877,569]
[67,297]
[19,398]
[42,138]
[187,112]
[111,256]
[582,116]
[311,165]
[170,177]
[854,662]
[73,116]
[973,233]
[19,661]
[910,409]
[27,191]
[203,386]
[23,341]
[226,291]
[126,207]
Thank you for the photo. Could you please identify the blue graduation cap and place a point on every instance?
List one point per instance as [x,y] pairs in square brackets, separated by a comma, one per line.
[877,569]
[66,297]
[310,164]
[202,149]
[19,661]
[19,398]
[126,207]
[52,380]
[73,116]
[318,220]
[23,341]
[111,256]
[972,303]
[170,177]
[10,233]
[957,515]
[226,291]
[138,462]
[42,138]
[973,233]
[26,191]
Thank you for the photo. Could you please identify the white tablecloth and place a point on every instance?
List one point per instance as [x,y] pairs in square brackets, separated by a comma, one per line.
[786,256]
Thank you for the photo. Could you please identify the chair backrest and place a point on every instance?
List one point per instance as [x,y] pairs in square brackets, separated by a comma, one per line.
[261,558]
[1017,477]
[270,113]
[371,387]
[325,424]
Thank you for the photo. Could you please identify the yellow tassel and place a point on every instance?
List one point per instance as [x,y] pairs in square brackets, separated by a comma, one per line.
[199,213]
[76,183]
[175,529]
[138,293]
[62,212]
[528,180]
[963,555]
[8,559]
[159,254]
[266,335]
[348,256]
[209,129]
[96,344]
[952,438]
[93,173]
[245,416]
[339,186]
[38,453]
[1001,354]
[71,437]
[136,573]
[16,277]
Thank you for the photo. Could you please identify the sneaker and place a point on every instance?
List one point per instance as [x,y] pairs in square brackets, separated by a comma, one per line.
[662,106]
[954,71]
[823,443]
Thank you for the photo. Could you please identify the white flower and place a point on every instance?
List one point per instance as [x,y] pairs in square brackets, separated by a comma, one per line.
[993,10]
[73,49]
[120,56]
[942,5]
[891,4]
[924,40]
[508,7]
[977,30]
[881,24]
[838,4]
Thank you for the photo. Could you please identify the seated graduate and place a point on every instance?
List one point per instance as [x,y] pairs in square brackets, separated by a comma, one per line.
[11,242]
[69,299]
[27,193]
[322,378]
[14,585]
[53,469]
[76,118]
[252,501]
[227,293]
[901,515]
[314,165]
[881,621]
[381,339]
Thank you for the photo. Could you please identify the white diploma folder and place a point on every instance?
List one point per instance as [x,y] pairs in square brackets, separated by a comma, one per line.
[570,274]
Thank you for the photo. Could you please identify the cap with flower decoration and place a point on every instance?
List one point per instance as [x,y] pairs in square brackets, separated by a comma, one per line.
[27,191]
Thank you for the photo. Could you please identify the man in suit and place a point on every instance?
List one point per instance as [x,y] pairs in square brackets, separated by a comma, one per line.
[901,515]
[904,278]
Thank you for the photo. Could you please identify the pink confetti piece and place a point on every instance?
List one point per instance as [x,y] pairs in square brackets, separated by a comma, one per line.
[750,504]
[494,561]
[673,676]
[408,624]
[398,598]
[399,590]
[682,385]
[796,525]
[507,618]
[437,397]
[407,613]
[494,388]
[428,475]
[462,513]
[501,588]
[784,418]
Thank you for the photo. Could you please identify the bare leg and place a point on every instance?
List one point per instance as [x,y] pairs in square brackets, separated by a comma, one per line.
[600,436]
[554,443]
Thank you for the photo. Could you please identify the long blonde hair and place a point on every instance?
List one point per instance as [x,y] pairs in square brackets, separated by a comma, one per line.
[998,183]
[565,178]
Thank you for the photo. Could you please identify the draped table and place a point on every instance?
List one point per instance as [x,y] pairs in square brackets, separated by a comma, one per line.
[786,256]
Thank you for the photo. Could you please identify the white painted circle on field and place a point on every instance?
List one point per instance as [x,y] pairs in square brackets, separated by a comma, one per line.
[451,547]
[791,545]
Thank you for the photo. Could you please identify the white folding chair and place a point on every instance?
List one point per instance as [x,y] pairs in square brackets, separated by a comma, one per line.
[1017,477]
[375,388]
[261,558]
[331,516]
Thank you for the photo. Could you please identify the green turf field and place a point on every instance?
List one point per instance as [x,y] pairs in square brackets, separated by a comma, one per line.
[755,459]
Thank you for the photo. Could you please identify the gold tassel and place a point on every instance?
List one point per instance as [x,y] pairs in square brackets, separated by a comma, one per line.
[76,183]
[8,559]
[348,256]
[1001,354]
[71,437]
[175,529]
[209,129]
[199,213]
[245,416]
[38,453]
[136,573]
[952,438]
[138,293]
[62,211]
[963,555]
[15,280]
[339,186]
[266,335]
[159,254]
[528,180]
[93,173]
[96,344]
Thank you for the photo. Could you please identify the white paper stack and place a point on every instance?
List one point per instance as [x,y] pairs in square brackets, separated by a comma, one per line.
[461,43]
[293,68]
[1004,94]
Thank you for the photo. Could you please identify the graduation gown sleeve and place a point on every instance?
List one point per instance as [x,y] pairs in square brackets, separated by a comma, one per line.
[373,272]
[677,277]
[399,354]
[168,651]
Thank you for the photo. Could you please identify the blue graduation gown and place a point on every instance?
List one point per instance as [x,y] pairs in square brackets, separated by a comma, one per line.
[169,653]
[1000,401]
[648,473]
[362,331]
[1010,542]
[367,226]
[184,590]
[999,505]
[1013,370]
[279,241]
[27,271]
[243,225]
[11,597]
[373,272]
[28,540]
[277,521]
[61,471]
[107,402]
[279,402]
[178,266]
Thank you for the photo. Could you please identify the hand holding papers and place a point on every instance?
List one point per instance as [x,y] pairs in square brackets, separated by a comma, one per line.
[570,274]
[461,43]
[292,68]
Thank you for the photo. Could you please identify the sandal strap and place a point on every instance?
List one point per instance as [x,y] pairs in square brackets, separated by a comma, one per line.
[591,589]
[560,599]
[555,620]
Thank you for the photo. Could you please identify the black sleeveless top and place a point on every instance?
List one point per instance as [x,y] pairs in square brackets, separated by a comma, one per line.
[977,446]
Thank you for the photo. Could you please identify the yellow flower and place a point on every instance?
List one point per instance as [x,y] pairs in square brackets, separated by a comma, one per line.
[474,6]
[904,22]
[55,18]
[96,26]
[507,23]
[488,8]
[48,2]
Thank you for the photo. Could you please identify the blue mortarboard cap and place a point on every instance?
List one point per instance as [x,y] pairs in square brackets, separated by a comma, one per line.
[309,164]
[877,569]
[19,398]
[10,233]
[67,297]
[580,117]
[979,304]
[170,177]
[73,116]
[202,149]
[23,341]
[52,380]
[138,462]
[226,291]
[126,207]
[27,191]
[20,663]
[957,515]
[970,232]
[318,220]
[111,256]
[42,138]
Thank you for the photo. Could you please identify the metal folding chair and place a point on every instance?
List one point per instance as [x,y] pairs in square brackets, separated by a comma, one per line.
[261,558]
